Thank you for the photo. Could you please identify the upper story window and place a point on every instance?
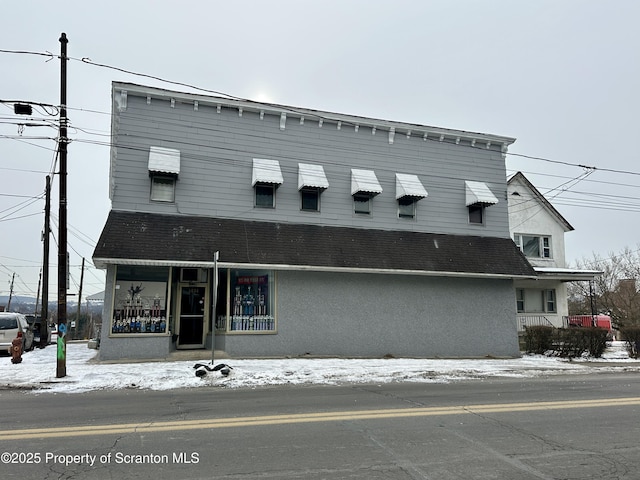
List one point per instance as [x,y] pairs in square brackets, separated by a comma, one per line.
[163,188]
[478,195]
[266,177]
[362,203]
[311,183]
[364,186]
[310,199]
[406,207]
[164,168]
[409,190]
[265,195]
[533,246]
[476,214]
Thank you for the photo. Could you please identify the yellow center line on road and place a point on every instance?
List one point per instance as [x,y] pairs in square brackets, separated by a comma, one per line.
[237,422]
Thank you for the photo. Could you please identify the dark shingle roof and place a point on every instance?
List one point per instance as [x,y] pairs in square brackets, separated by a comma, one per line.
[152,237]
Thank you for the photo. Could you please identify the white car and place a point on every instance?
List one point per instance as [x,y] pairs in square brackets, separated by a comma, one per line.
[10,324]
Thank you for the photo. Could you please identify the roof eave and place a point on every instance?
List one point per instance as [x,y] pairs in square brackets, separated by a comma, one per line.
[102,263]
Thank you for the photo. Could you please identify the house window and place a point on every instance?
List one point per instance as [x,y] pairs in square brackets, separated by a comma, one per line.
[476,214]
[265,196]
[163,188]
[407,207]
[546,247]
[536,301]
[520,300]
[534,246]
[549,300]
[310,199]
[362,203]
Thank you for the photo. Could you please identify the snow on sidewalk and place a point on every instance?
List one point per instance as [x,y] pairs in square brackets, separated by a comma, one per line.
[37,372]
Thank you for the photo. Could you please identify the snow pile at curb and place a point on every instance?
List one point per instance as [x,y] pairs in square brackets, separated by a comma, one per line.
[37,372]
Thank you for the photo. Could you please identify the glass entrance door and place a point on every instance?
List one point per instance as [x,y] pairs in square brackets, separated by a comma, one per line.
[193,316]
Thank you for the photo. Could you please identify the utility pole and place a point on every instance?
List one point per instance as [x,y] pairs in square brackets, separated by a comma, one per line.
[75,328]
[61,366]
[35,313]
[11,292]
[44,311]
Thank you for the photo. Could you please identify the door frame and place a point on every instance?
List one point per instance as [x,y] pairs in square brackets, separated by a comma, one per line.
[205,314]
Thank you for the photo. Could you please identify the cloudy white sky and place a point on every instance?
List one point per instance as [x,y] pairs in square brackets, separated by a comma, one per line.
[561,76]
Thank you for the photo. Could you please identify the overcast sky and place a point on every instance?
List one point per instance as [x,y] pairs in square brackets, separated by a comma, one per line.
[561,76]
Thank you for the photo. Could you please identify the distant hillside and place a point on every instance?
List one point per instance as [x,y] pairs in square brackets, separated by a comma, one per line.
[24,304]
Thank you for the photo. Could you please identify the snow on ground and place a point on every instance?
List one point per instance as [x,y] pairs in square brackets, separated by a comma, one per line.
[37,372]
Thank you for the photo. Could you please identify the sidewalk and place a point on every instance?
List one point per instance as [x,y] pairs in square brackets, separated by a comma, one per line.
[37,372]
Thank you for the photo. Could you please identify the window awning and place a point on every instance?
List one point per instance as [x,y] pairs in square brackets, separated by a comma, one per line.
[478,193]
[409,186]
[164,160]
[266,171]
[364,181]
[311,176]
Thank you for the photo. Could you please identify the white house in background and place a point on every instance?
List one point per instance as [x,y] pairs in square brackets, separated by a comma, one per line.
[538,230]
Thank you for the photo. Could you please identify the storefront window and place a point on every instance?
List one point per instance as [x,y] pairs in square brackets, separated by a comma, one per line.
[251,301]
[140,300]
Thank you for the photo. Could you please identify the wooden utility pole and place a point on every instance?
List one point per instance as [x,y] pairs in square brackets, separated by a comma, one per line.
[61,366]
[75,328]
[11,292]
[35,312]
[44,311]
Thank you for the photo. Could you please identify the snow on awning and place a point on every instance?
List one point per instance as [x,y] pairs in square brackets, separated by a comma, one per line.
[409,186]
[311,176]
[478,193]
[266,171]
[164,160]
[364,181]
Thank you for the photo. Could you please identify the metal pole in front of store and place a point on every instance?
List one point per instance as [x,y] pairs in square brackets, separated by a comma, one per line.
[214,300]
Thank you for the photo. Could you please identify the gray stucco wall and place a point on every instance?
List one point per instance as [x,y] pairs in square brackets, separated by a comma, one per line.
[373,315]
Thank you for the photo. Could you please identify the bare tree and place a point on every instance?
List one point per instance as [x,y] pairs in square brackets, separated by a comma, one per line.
[615,292]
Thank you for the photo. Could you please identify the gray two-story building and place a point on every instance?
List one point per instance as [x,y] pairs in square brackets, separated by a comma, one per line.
[277,230]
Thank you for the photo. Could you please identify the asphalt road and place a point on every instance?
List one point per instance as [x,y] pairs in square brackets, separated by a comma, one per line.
[568,427]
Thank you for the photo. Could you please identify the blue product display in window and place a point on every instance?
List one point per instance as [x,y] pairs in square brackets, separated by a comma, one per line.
[250,304]
[140,308]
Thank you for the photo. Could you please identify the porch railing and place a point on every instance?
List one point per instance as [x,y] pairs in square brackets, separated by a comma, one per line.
[532,321]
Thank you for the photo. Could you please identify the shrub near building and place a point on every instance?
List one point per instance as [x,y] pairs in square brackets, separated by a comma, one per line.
[566,342]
